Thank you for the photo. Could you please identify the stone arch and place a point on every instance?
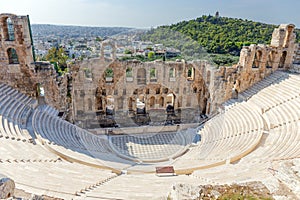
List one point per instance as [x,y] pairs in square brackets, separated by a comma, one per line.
[141,76]
[8,29]
[195,89]
[87,73]
[157,90]
[257,59]
[172,72]
[108,43]
[191,73]
[110,105]
[153,74]
[12,56]
[165,90]
[170,100]
[147,91]
[140,105]
[40,90]
[161,102]
[271,57]
[152,102]
[129,74]
[282,59]
[290,29]
[109,74]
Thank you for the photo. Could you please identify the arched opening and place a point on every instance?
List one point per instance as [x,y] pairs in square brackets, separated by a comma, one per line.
[170,103]
[290,29]
[147,91]
[172,73]
[109,105]
[153,74]
[170,100]
[161,102]
[140,105]
[12,56]
[152,102]
[157,91]
[108,49]
[257,59]
[8,29]
[141,76]
[40,90]
[195,89]
[270,61]
[190,73]
[129,74]
[87,73]
[109,74]
[135,92]
[90,106]
[165,90]
[282,59]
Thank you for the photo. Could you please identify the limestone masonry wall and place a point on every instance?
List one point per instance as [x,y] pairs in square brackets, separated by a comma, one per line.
[103,91]
[18,68]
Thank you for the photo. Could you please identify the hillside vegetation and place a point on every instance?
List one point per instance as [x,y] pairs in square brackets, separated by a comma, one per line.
[218,35]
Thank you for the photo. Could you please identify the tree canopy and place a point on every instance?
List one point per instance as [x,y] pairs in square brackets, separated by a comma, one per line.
[58,57]
[214,35]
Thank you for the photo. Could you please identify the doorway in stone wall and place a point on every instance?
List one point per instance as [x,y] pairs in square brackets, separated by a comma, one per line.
[40,93]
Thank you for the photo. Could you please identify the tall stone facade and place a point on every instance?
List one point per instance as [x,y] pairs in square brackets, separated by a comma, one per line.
[18,67]
[105,91]
[16,56]
[107,88]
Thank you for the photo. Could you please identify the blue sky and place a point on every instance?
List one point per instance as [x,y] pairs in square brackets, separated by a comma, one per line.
[147,13]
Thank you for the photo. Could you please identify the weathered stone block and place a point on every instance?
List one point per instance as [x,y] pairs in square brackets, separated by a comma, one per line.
[7,187]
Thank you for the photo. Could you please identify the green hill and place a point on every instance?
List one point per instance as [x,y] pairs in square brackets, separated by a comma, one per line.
[218,35]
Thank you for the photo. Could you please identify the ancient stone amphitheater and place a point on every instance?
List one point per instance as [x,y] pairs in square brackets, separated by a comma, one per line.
[252,137]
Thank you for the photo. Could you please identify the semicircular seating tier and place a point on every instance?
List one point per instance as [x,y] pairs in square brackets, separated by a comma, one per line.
[276,159]
[252,138]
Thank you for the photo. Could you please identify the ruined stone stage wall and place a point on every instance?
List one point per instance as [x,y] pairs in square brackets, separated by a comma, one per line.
[105,91]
